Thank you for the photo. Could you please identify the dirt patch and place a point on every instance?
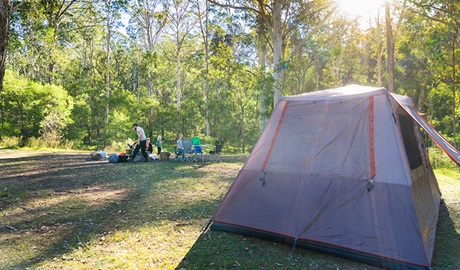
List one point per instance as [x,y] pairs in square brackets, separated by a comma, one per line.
[37,183]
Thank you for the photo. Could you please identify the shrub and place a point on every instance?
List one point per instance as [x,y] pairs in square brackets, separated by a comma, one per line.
[10,142]
[439,158]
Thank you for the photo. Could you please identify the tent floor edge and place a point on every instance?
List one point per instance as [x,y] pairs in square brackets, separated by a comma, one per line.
[319,247]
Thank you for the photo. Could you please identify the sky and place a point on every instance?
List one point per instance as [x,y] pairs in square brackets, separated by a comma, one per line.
[361,8]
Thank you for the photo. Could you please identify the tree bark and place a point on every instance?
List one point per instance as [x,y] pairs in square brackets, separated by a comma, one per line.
[454,85]
[278,71]
[262,95]
[107,74]
[390,49]
[5,11]
[206,43]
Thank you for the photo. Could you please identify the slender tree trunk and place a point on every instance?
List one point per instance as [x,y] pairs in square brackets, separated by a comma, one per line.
[52,61]
[278,72]
[390,49]
[179,92]
[150,84]
[454,85]
[150,44]
[379,67]
[107,72]
[262,65]
[91,85]
[421,96]
[5,9]
[380,51]
[206,44]
[243,142]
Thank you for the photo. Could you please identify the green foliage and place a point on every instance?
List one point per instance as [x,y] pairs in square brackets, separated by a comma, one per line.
[31,109]
[65,44]
[8,142]
[119,129]
[439,159]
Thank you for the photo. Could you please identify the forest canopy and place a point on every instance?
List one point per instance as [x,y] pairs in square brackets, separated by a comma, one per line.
[80,72]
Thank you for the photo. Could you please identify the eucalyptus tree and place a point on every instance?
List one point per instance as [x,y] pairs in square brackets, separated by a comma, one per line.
[109,19]
[148,17]
[203,18]
[391,36]
[376,40]
[417,70]
[5,13]
[277,20]
[446,15]
[112,9]
[182,20]
[165,89]
[7,8]
[55,19]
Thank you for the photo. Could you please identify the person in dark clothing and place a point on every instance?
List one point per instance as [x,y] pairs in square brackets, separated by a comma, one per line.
[140,143]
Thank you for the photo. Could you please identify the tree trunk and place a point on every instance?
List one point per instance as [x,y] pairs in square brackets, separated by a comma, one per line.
[379,67]
[262,65]
[243,142]
[206,44]
[5,8]
[278,72]
[454,85]
[179,92]
[390,49]
[107,72]
[150,85]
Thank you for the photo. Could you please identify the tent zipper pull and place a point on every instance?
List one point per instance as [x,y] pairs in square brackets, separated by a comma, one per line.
[263,178]
[370,185]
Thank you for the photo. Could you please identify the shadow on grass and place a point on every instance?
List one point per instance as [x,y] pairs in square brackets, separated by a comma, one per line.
[447,243]
[223,250]
[87,198]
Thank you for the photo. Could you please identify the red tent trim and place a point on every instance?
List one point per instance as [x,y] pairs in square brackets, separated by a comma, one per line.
[274,136]
[371,135]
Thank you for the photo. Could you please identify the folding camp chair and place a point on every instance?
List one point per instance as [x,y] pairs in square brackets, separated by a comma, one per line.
[188,150]
[214,155]
[179,154]
[198,153]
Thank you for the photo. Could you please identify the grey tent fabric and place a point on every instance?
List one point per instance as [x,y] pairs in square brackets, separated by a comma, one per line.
[342,171]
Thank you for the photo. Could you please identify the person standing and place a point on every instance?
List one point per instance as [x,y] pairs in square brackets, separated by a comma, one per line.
[180,147]
[140,143]
[159,144]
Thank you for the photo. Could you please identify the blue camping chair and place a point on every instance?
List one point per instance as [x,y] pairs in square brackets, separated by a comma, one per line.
[198,153]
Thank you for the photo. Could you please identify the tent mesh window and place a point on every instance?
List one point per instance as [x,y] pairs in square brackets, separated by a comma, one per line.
[407,126]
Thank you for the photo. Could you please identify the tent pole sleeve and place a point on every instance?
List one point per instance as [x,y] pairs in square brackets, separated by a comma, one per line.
[274,136]
[371,137]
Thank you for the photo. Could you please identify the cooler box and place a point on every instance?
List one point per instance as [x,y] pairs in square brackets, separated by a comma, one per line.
[164,156]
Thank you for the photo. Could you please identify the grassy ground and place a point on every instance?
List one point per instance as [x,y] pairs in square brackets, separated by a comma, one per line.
[61,210]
